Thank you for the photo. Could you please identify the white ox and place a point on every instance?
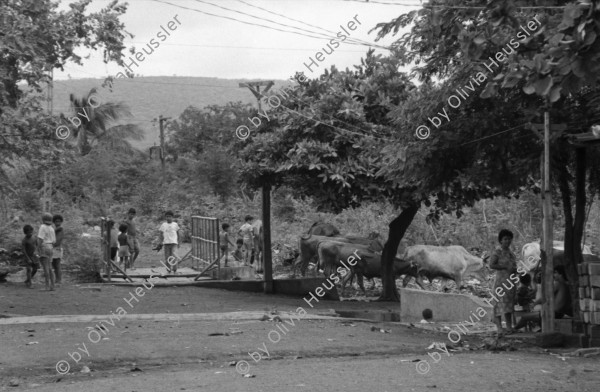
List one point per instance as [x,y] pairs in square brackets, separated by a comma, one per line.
[531,252]
[449,262]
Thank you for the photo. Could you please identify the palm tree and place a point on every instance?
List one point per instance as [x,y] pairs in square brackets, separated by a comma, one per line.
[97,119]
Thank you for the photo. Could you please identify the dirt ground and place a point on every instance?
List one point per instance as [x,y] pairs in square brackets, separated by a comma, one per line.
[319,355]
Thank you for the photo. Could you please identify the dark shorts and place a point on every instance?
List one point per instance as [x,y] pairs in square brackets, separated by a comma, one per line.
[113,253]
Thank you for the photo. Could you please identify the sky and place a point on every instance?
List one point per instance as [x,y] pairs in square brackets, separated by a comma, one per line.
[210,46]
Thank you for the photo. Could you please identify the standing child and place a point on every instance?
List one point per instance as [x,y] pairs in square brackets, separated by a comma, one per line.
[58,250]
[225,242]
[169,237]
[114,239]
[124,246]
[29,246]
[246,232]
[46,240]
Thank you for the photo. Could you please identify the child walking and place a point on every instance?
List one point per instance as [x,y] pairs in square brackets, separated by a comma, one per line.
[225,242]
[58,250]
[124,246]
[46,240]
[29,246]
[169,238]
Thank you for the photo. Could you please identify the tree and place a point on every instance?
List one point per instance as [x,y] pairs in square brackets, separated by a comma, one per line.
[36,38]
[555,61]
[93,119]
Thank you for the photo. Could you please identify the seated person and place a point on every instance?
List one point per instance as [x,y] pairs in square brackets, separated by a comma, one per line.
[562,300]
[525,293]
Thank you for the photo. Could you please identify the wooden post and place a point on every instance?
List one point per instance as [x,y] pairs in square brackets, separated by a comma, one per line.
[266,216]
[107,248]
[548,265]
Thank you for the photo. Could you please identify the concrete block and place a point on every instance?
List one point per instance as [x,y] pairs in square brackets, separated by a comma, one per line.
[592,331]
[550,339]
[594,343]
[586,317]
[584,304]
[584,281]
[593,269]
[594,293]
[563,326]
[228,273]
[595,318]
[594,305]
[445,306]
[582,292]
[594,281]
[578,326]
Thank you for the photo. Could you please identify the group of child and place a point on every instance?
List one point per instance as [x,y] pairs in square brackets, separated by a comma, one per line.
[247,246]
[126,245]
[45,249]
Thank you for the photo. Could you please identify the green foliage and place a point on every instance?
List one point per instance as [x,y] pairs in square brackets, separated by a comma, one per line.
[37,38]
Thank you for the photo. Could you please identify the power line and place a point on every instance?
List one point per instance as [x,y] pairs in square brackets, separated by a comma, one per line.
[451,6]
[248,47]
[495,134]
[259,25]
[298,21]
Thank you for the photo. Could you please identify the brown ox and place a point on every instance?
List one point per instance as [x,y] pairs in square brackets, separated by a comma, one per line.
[308,247]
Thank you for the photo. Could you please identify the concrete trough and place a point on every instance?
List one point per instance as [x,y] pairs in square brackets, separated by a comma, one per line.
[445,306]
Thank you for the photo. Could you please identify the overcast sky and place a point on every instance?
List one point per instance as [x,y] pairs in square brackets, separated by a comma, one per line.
[210,46]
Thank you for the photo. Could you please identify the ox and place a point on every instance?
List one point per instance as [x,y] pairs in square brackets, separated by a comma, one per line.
[371,268]
[308,247]
[449,262]
[323,229]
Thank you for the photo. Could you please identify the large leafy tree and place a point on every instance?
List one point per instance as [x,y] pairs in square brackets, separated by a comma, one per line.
[36,38]
[554,63]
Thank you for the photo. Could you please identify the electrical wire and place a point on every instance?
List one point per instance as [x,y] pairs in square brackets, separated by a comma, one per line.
[298,21]
[451,6]
[259,25]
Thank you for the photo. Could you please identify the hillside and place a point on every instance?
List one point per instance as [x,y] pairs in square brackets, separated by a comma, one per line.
[149,97]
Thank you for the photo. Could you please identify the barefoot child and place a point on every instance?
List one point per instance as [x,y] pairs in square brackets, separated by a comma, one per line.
[169,237]
[58,250]
[46,240]
[247,234]
[124,246]
[29,246]
[225,242]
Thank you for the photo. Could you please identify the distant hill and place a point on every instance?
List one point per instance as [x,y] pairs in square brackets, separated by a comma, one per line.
[149,97]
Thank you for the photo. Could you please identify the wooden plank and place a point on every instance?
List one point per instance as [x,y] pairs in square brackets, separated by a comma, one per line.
[120,270]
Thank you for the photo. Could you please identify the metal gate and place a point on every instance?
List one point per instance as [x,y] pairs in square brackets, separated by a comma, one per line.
[205,244]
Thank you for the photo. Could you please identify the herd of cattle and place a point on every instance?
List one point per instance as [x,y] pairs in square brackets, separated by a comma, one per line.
[327,247]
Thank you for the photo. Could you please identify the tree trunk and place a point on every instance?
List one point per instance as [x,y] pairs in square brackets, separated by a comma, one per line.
[578,228]
[397,230]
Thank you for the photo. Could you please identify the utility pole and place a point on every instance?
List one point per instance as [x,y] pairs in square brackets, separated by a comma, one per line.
[255,89]
[266,256]
[161,120]
[547,228]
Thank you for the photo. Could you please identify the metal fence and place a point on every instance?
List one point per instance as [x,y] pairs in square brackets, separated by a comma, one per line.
[205,243]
